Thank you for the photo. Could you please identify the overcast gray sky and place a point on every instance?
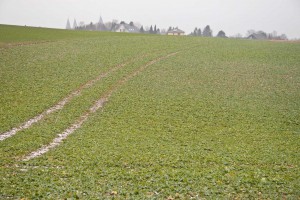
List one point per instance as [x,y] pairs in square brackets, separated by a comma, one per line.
[232,16]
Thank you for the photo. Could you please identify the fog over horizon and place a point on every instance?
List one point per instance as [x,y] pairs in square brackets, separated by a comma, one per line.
[231,16]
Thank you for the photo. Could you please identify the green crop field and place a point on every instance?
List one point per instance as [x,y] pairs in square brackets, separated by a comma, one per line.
[92,115]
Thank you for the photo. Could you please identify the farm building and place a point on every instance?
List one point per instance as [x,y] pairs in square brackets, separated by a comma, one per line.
[175,31]
[258,36]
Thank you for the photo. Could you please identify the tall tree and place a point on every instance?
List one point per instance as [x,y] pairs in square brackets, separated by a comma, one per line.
[151,30]
[74,24]
[207,32]
[199,32]
[68,26]
[155,31]
[142,30]
[196,31]
[101,20]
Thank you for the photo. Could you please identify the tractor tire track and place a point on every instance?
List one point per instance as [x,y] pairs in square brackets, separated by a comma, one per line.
[66,100]
[97,105]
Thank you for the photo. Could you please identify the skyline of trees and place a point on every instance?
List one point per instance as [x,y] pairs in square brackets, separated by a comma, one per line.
[207,31]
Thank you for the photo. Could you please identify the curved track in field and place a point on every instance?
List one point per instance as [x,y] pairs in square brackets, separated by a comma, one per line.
[97,105]
[66,100]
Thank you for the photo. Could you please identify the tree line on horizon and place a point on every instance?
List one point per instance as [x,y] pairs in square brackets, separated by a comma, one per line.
[251,34]
[207,31]
[111,25]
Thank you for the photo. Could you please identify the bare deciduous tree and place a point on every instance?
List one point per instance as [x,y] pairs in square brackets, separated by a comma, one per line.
[250,32]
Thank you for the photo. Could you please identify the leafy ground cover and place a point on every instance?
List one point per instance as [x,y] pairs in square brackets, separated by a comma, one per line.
[218,120]
[17,35]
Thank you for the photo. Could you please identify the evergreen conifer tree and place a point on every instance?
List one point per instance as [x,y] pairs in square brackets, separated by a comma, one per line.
[142,30]
[68,26]
[151,30]
[199,32]
[74,24]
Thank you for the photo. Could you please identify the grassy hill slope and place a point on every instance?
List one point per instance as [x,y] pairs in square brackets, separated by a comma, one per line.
[219,119]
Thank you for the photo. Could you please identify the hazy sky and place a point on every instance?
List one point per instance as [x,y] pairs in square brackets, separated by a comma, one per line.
[232,16]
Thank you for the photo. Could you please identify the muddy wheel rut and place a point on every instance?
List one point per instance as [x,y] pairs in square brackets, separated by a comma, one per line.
[96,106]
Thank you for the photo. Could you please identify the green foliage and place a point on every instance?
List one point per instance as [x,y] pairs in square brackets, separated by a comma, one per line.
[220,120]
[207,32]
[17,35]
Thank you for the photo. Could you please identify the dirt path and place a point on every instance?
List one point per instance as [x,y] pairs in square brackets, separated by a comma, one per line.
[97,105]
[66,100]
[68,131]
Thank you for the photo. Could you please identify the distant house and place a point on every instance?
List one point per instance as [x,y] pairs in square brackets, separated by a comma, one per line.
[258,36]
[126,28]
[175,31]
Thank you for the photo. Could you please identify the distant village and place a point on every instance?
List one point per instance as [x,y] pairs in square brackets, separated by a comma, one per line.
[116,26]
[134,27]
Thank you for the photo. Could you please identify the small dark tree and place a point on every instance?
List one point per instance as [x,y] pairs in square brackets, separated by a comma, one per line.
[199,32]
[170,28]
[207,32]
[221,34]
[131,24]
[151,30]
[196,32]
[74,24]
[142,29]
[92,26]
[158,31]
[155,31]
